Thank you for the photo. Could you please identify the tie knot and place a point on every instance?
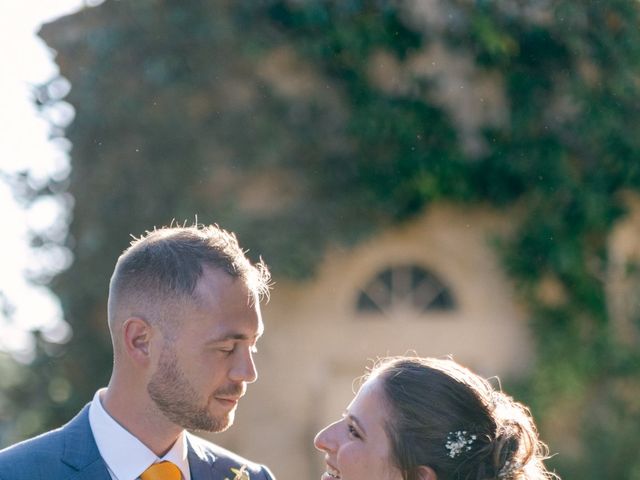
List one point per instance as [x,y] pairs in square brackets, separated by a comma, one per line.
[162,471]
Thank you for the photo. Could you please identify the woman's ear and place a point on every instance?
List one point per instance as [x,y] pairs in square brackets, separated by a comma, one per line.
[426,473]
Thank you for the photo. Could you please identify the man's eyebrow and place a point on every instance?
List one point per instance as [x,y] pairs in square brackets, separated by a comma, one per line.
[235,336]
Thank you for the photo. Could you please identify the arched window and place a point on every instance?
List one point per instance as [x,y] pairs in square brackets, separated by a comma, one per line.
[403,286]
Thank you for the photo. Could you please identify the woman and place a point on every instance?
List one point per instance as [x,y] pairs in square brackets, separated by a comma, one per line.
[429,419]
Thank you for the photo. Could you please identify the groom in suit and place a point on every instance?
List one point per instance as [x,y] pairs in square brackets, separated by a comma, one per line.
[184,316]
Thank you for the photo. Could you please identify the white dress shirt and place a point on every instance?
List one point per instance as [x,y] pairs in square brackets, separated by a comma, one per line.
[126,456]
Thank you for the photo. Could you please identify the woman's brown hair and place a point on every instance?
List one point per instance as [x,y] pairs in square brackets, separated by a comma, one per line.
[448,418]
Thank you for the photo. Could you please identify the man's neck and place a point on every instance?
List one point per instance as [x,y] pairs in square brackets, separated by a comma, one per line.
[141,418]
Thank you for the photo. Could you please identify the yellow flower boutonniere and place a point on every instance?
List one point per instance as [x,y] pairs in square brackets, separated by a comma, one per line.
[240,473]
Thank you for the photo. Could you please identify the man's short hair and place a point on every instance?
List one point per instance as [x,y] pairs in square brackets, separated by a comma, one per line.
[166,264]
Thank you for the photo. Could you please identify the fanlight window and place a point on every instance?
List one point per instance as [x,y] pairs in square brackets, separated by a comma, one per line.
[405,286]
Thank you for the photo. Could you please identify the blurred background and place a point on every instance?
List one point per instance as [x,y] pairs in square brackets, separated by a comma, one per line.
[439,176]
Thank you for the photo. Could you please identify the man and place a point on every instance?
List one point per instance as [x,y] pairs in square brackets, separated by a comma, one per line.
[184,318]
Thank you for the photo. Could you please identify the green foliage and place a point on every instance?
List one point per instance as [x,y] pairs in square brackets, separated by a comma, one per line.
[184,107]
[31,395]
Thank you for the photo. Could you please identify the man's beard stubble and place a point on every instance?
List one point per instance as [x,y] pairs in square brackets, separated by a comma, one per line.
[178,400]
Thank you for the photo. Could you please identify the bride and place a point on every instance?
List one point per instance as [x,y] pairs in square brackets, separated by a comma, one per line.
[429,419]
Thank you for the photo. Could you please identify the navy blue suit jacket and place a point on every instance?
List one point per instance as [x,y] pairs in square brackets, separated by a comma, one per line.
[70,453]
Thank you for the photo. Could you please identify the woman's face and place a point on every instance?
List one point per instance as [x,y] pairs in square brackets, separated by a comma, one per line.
[356,447]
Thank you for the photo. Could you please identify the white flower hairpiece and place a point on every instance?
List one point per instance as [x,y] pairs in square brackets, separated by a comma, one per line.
[458,442]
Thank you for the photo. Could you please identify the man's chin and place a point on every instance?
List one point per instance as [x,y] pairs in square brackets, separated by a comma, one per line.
[215,425]
[226,422]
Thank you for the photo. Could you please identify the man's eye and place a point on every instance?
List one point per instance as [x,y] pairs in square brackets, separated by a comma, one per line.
[227,349]
[353,432]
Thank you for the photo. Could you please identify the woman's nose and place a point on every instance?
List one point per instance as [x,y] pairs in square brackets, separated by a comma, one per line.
[325,439]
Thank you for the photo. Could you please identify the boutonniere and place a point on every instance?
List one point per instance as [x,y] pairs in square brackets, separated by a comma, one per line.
[240,473]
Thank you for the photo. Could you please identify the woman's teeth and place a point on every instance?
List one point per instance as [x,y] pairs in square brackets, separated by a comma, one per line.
[333,474]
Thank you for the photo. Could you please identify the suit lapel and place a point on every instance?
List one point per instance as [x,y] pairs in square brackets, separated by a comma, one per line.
[80,450]
[93,471]
[201,462]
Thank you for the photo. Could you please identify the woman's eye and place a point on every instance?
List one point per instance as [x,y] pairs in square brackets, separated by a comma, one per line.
[353,432]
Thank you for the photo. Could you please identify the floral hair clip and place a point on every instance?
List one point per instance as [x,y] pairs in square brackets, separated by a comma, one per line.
[458,442]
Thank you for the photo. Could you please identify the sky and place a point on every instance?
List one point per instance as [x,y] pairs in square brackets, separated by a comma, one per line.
[25,145]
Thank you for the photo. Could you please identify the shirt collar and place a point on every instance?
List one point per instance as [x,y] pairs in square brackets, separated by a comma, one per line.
[125,455]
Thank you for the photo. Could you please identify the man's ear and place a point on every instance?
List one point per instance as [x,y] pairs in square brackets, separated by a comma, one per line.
[137,334]
[426,473]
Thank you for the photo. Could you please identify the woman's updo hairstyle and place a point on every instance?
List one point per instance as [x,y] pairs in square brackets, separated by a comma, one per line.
[446,417]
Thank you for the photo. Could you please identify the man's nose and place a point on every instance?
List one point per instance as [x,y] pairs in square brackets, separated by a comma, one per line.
[244,369]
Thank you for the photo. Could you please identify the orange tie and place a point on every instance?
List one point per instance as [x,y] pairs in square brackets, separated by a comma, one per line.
[161,471]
